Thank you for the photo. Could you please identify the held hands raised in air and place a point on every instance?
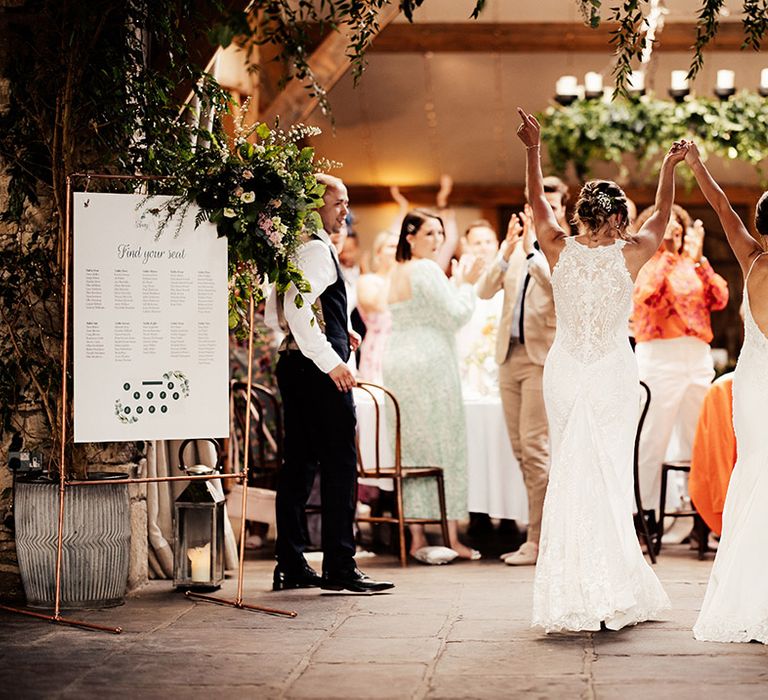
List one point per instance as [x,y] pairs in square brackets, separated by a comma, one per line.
[692,155]
[677,152]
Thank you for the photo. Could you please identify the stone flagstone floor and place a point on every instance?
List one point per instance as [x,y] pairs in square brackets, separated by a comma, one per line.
[459,631]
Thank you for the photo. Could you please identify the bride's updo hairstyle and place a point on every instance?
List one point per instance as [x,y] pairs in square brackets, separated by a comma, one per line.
[598,201]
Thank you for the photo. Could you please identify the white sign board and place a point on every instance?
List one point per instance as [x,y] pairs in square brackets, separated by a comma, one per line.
[150,323]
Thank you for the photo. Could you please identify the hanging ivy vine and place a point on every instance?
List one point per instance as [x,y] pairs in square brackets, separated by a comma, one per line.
[628,35]
[590,131]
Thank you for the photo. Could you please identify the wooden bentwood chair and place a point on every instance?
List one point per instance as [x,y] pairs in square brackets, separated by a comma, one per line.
[397,472]
[266,444]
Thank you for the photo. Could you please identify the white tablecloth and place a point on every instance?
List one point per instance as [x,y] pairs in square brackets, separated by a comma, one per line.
[495,483]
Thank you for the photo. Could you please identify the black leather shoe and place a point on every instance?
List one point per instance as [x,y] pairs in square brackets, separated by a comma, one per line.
[305,577]
[353,580]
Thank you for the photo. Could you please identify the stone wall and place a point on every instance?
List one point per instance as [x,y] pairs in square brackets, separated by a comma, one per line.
[29,420]
[10,583]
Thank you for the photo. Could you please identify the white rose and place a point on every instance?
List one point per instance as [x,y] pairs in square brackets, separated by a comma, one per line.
[247,197]
[229,213]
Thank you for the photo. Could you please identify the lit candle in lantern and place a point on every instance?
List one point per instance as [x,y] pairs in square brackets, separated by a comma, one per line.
[567,85]
[679,80]
[593,83]
[726,80]
[200,559]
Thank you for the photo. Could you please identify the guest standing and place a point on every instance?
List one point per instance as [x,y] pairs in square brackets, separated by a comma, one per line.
[735,606]
[525,334]
[674,296]
[372,292]
[476,340]
[319,412]
[421,368]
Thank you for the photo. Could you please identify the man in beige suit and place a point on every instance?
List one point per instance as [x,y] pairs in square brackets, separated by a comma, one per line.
[525,334]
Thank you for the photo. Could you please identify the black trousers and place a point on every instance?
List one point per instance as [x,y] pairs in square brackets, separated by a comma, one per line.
[319,429]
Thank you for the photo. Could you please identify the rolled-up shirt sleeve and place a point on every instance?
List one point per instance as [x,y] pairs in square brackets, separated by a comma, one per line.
[315,261]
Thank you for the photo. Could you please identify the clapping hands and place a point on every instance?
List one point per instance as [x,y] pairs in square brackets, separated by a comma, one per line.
[694,241]
[520,228]
[467,270]
[514,234]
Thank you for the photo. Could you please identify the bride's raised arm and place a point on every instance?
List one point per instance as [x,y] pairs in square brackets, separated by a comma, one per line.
[548,232]
[649,237]
[744,246]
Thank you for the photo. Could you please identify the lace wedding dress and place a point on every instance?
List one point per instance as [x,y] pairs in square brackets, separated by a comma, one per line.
[735,606]
[590,567]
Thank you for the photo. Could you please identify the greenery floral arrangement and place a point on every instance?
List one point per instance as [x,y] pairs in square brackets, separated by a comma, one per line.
[260,191]
[589,131]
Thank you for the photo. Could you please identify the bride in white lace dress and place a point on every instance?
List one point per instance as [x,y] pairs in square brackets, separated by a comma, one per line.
[591,570]
[735,606]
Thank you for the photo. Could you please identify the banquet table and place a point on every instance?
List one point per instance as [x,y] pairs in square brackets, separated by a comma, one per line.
[495,483]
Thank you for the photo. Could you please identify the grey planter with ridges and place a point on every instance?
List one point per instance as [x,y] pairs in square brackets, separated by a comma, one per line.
[96,548]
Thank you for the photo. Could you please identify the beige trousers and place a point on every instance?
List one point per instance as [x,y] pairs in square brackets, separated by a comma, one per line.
[520,386]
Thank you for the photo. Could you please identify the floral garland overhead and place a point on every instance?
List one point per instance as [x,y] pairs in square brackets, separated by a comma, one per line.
[590,131]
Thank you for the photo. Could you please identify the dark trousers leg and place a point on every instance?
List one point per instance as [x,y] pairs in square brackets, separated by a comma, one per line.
[300,463]
[338,477]
[319,433]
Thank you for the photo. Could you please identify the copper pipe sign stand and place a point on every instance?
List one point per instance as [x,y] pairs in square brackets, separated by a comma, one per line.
[241,476]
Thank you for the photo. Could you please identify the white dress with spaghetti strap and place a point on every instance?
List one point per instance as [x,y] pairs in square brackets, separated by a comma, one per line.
[591,569]
[735,606]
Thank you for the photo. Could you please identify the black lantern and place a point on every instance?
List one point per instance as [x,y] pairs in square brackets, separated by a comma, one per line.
[199,529]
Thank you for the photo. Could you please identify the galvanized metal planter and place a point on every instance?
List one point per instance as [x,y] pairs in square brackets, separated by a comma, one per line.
[96,547]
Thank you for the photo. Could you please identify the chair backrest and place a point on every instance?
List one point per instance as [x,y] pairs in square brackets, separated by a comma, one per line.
[376,394]
[266,444]
[645,403]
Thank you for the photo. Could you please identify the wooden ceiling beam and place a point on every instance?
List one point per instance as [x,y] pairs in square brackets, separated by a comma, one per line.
[493,195]
[329,62]
[536,37]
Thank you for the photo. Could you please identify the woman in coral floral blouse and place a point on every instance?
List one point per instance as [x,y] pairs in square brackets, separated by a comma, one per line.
[674,295]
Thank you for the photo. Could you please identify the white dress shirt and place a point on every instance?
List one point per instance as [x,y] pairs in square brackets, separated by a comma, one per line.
[314,259]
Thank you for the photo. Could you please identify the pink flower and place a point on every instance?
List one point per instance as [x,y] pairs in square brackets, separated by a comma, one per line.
[238,191]
[247,174]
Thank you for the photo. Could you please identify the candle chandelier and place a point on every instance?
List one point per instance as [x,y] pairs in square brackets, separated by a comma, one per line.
[568,89]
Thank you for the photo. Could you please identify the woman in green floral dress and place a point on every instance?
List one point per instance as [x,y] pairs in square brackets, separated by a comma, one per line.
[421,369]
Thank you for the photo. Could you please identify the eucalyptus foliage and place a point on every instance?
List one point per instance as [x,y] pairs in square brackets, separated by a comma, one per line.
[589,131]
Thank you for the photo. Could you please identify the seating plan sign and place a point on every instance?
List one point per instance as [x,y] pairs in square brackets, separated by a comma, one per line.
[151,358]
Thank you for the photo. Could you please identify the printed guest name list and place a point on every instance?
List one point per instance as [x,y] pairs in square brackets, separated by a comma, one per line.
[150,322]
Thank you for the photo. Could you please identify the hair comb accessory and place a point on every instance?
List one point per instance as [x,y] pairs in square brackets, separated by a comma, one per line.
[605,202]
